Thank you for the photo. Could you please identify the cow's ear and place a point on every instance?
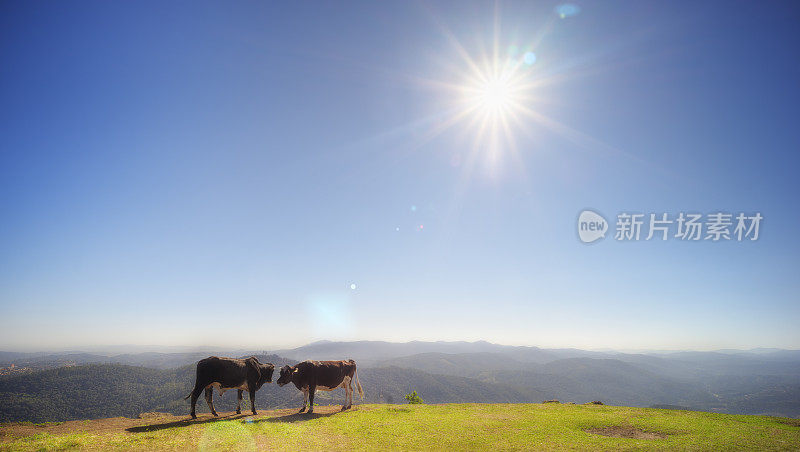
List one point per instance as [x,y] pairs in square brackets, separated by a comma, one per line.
[252,362]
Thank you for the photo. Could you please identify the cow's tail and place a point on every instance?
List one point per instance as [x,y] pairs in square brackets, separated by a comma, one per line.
[190,394]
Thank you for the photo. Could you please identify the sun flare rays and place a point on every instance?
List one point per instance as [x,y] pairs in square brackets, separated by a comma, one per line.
[492,98]
[489,95]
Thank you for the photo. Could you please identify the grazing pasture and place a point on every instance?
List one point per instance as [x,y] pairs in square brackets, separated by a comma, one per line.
[551,426]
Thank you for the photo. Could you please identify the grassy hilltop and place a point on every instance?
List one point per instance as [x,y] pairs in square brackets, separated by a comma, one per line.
[451,426]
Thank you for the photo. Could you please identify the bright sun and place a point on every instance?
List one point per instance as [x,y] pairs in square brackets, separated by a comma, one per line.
[495,93]
[495,96]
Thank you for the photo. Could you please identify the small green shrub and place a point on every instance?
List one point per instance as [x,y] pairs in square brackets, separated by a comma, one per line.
[413,398]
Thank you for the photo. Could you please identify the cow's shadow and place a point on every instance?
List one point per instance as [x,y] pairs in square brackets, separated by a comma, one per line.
[182,423]
[295,417]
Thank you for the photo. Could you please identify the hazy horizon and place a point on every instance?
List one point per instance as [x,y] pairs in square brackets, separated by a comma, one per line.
[270,173]
[188,348]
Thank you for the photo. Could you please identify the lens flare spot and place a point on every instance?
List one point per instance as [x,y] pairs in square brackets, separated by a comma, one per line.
[352,287]
[529,58]
[330,314]
[225,436]
[567,10]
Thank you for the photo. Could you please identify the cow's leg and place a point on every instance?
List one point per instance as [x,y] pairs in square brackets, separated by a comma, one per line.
[253,401]
[348,393]
[350,390]
[195,395]
[311,390]
[239,401]
[209,395]
[344,385]
[305,400]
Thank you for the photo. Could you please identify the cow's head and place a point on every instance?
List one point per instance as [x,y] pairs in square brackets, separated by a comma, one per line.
[265,370]
[286,375]
[268,370]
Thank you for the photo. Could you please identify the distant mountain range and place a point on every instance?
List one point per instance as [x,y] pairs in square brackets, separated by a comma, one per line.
[57,386]
[38,361]
[370,352]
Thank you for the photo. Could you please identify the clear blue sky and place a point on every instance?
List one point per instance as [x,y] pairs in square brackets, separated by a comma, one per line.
[193,173]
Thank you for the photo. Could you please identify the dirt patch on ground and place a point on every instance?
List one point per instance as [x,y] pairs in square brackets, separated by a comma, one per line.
[626,432]
[148,422]
[792,422]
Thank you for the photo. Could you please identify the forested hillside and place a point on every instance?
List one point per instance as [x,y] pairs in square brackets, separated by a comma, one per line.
[108,390]
[759,382]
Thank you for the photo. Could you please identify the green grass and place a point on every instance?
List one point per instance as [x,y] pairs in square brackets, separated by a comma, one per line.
[439,427]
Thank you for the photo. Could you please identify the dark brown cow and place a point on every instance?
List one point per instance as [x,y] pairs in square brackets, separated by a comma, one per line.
[310,376]
[230,373]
